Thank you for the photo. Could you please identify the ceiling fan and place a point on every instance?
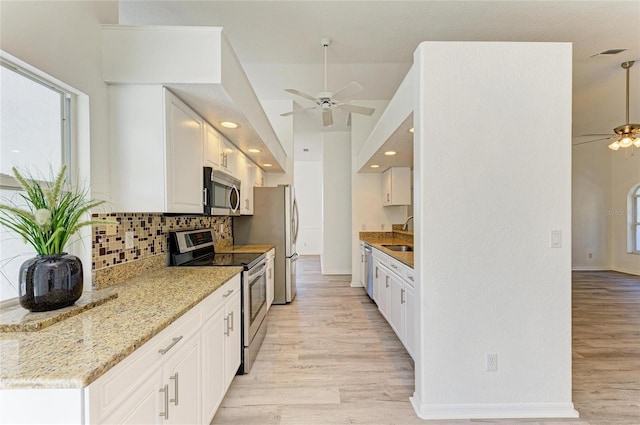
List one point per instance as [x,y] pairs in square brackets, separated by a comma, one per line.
[327,101]
[626,135]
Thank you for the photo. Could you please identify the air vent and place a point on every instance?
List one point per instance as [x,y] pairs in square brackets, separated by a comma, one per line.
[608,52]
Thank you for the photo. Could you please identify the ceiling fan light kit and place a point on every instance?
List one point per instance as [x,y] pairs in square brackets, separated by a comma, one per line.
[628,134]
[327,101]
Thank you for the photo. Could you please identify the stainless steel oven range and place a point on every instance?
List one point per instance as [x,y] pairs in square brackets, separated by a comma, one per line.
[196,248]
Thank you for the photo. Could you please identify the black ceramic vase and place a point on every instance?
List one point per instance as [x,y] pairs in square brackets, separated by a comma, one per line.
[49,282]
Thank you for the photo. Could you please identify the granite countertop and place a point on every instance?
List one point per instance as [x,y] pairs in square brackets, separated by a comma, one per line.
[377,239]
[78,350]
[257,249]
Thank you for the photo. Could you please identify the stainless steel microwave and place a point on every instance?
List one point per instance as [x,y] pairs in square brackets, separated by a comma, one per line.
[221,193]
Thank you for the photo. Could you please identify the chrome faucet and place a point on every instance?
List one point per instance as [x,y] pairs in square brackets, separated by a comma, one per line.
[406,223]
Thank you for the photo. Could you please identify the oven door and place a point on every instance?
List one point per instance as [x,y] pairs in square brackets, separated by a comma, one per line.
[254,283]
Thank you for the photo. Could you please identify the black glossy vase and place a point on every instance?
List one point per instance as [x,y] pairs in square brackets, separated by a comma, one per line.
[49,282]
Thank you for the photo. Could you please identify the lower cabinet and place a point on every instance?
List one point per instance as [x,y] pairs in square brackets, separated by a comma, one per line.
[181,375]
[395,294]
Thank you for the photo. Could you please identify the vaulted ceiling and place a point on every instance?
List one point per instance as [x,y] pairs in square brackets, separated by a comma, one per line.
[278,42]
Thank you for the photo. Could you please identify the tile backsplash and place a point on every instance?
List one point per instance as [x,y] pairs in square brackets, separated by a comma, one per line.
[151,232]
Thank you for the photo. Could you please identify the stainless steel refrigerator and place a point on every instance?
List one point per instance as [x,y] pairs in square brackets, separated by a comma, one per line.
[274,221]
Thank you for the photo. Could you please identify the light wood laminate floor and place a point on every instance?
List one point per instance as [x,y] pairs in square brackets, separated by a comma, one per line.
[330,358]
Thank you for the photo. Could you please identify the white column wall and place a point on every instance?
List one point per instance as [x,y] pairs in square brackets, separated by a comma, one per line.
[308,176]
[485,207]
[336,189]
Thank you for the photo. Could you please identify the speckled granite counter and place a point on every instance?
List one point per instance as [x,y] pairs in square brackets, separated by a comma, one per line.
[376,239]
[257,249]
[80,349]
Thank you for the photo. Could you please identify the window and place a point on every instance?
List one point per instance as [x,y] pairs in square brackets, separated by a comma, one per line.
[35,137]
[634,200]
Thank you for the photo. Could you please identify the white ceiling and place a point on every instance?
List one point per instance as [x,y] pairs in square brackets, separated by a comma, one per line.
[278,42]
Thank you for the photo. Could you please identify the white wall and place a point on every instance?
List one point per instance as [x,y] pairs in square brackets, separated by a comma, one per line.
[336,250]
[591,181]
[283,127]
[488,280]
[308,176]
[625,174]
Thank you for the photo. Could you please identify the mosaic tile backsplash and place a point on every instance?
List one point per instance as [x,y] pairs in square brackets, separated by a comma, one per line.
[151,232]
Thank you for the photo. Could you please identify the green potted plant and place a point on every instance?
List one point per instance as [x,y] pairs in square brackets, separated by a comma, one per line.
[53,213]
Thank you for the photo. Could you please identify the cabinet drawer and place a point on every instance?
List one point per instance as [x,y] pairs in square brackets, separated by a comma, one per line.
[111,390]
[409,276]
[213,302]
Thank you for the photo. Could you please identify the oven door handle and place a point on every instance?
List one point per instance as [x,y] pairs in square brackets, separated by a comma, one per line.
[256,272]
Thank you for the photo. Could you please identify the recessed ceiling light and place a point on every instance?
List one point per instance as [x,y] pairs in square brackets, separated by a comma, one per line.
[229,124]
[390,153]
[410,130]
[608,52]
[374,166]
[267,165]
[253,150]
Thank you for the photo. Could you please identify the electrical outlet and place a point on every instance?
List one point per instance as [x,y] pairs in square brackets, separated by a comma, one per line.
[590,255]
[221,228]
[492,362]
[128,240]
[382,227]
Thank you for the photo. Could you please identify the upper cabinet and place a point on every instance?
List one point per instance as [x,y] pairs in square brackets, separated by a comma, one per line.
[156,151]
[396,186]
[199,66]
[212,150]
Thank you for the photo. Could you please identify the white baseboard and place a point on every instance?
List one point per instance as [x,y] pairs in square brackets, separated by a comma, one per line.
[493,410]
[355,284]
[590,269]
[627,271]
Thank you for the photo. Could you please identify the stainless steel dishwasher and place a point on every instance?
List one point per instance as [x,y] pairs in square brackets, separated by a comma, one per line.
[368,270]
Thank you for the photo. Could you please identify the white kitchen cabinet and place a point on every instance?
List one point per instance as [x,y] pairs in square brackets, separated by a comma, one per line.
[181,399]
[181,375]
[258,179]
[361,265]
[211,148]
[271,255]
[246,174]
[156,145]
[221,344]
[228,159]
[394,292]
[396,186]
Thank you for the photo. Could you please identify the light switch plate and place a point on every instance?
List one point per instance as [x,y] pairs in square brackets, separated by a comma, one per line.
[555,239]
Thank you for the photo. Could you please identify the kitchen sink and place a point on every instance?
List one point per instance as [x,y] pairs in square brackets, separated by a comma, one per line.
[404,248]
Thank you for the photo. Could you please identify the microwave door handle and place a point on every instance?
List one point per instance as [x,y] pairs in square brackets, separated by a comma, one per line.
[235,207]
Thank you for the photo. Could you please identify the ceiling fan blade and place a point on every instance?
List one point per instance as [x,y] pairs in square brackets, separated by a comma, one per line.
[327,118]
[591,141]
[295,111]
[600,134]
[348,91]
[301,94]
[349,120]
[357,109]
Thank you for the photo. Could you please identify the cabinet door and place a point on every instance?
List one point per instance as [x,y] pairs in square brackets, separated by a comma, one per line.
[211,147]
[227,156]
[182,374]
[242,172]
[143,405]
[386,188]
[213,364]
[233,337]
[396,307]
[410,320]
[259,177]
[384,291]
[362,266]
[184,135]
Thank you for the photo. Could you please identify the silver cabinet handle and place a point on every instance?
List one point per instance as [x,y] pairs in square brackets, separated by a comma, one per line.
[226,326]
[376,272]
[204,195]
[165,390]
[231,322]
[229,292]
[387,197]
[394,266]
[269,273]
[411,278]
[175,341]
[386,281]
[402,296]
[175,388]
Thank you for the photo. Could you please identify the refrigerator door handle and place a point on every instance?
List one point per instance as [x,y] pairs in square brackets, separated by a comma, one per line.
[296,220]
